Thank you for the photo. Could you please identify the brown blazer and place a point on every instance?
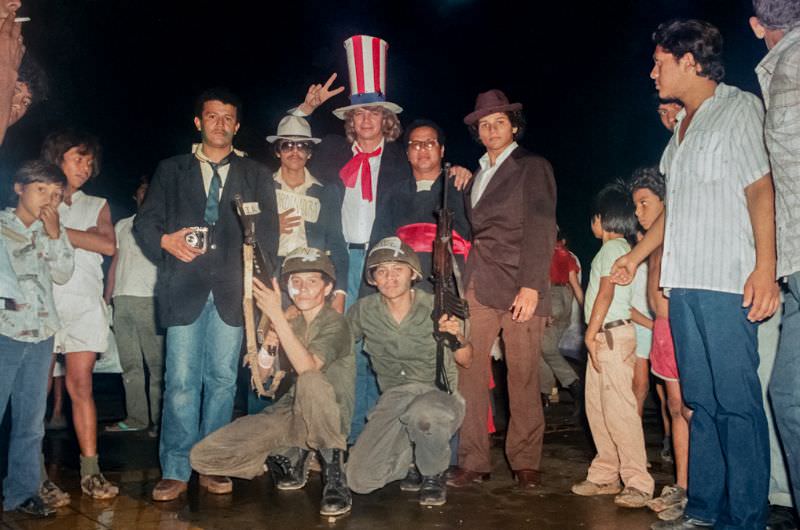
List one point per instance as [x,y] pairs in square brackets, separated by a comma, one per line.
[513,232]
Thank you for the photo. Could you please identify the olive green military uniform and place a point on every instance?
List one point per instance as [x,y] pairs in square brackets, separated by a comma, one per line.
[314,414]
[413,421]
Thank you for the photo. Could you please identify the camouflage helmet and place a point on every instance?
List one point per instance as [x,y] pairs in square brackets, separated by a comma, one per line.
[307,260]
[391,249]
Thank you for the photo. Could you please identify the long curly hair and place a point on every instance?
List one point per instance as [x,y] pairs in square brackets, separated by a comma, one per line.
[390,125]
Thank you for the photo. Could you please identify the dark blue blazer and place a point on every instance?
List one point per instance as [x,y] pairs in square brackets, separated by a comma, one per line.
[335,151]
[176,199]
[408,206]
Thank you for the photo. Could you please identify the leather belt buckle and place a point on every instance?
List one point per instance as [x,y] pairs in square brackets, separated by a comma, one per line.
[616,323]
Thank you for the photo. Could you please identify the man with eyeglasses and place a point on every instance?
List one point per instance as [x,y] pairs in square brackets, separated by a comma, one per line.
[410,214]
[310,211]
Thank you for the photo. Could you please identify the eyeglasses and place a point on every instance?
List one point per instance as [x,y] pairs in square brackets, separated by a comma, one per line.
[420,145]
[289,145]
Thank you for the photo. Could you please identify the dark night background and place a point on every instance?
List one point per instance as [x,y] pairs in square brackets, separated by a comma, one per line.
[129,71]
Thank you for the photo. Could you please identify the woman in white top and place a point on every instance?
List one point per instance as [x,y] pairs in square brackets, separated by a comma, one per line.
[80,301]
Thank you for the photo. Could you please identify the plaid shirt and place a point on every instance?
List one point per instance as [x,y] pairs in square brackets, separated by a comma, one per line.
[779,76]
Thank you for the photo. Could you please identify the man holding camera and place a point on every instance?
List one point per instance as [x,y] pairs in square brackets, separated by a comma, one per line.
[188,227]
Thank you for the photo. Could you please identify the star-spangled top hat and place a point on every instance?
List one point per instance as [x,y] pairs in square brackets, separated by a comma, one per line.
[366,64]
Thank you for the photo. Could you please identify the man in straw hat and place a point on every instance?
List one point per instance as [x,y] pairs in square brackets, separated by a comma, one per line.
[409,430]
[311,211]
[511,206]
[312,416]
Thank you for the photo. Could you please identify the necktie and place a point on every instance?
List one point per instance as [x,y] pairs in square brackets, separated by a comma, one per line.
[212,202]
[349,173]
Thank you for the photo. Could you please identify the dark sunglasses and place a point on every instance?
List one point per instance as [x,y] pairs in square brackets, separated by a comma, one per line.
[289,145]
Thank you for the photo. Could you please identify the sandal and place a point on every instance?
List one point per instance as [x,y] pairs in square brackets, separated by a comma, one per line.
[98,487]
[121,426]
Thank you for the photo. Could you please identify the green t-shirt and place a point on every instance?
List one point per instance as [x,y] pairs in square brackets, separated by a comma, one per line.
[620,307]
[400,353]
[328,337]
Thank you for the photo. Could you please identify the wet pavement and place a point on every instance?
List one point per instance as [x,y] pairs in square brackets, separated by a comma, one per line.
[131,460]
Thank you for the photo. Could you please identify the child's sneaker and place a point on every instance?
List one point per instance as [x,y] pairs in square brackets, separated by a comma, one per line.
[590,489]
[52,495]
[632,498]
[98,487]
[670,496]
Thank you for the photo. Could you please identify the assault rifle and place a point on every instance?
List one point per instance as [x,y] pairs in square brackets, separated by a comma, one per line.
[259,265]
[445,278]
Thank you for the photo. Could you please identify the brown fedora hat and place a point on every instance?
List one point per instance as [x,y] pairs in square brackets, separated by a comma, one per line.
[488,103]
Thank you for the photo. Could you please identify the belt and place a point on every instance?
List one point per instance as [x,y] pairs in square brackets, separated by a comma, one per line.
[357,246]
[616,323]
[560,284]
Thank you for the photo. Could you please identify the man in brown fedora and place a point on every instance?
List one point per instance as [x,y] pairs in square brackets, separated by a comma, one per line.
[511,204]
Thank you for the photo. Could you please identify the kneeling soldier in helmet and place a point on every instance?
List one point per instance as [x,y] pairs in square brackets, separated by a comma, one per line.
[408,432]
[315,414]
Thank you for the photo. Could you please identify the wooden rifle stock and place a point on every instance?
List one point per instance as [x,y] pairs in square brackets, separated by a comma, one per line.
[259,265]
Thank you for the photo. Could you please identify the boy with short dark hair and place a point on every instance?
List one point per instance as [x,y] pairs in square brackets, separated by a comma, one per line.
[41,255]
[611,406]
[648,190]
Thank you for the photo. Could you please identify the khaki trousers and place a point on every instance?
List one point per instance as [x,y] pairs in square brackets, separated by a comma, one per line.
[410,423]
[613,415]
[522,354]
[310,421]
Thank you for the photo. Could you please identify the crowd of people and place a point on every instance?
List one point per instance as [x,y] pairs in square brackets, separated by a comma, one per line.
[696,254]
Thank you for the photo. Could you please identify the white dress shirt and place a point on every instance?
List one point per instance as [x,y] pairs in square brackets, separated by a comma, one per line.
[487,171]
[358,214]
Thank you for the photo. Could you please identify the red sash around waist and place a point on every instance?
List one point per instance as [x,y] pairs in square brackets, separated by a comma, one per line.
[420,236]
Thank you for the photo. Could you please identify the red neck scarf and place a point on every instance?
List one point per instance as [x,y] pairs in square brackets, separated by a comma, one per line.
[349,173]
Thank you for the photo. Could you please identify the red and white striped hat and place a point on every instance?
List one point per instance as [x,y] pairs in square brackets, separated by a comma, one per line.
[366,62]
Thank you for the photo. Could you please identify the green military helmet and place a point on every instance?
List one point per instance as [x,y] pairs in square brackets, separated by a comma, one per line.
[307,260]
[392,249]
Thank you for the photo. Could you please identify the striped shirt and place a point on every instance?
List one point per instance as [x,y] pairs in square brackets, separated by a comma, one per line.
[779,76]
[708,238]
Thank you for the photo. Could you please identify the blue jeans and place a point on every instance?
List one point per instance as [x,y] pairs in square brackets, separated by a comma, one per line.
[780,493]
[366,380]
[201,364]
[24,369]
[783,388]
[717,356]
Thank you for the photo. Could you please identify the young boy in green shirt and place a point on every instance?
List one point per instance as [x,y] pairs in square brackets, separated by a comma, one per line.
[611,405]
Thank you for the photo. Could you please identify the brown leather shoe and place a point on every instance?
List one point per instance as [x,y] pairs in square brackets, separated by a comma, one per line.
[216,484]
[168,489]
[528,479]
[464,477]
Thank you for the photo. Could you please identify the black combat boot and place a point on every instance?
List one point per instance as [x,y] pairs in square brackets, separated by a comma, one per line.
[413,480]
[336,498]
[433,491]
[289,473]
